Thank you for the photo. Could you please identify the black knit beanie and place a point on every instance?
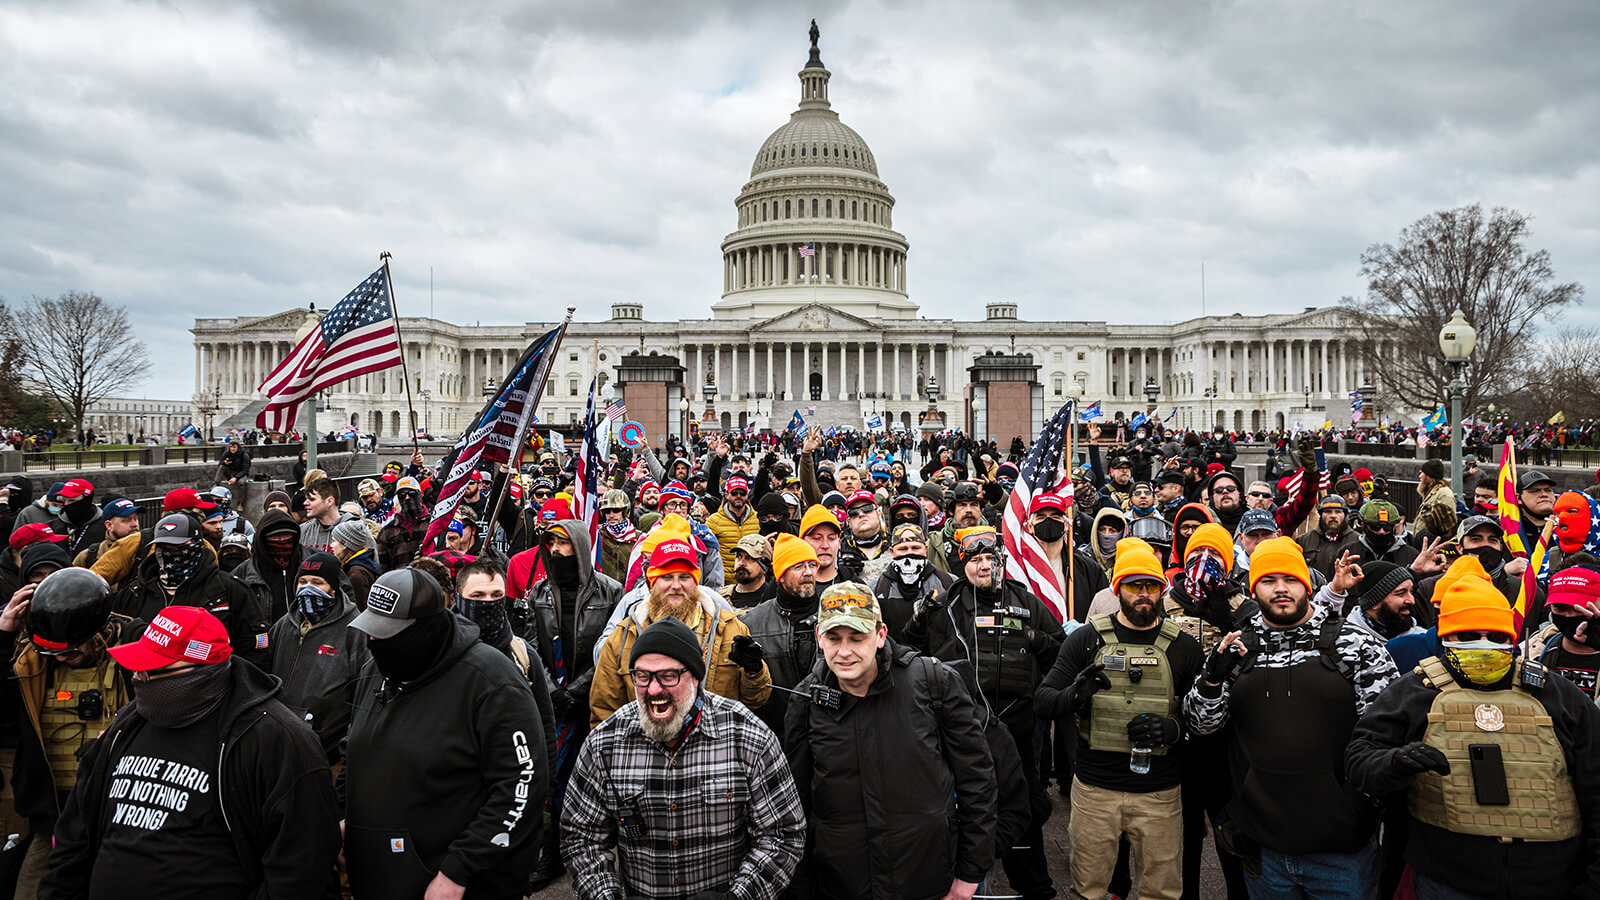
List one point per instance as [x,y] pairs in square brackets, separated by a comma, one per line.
[1378,579]
[670,637]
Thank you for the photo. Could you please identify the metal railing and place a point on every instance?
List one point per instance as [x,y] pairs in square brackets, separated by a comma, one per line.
[52,460]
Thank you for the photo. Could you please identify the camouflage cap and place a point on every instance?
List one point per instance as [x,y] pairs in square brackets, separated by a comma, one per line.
[851,604]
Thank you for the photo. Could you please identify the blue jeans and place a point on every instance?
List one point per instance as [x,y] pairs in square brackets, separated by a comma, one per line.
[1428,889]
[1317,876]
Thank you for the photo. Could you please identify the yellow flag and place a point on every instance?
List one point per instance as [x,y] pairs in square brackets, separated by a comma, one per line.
[1326,424]
[1559,418]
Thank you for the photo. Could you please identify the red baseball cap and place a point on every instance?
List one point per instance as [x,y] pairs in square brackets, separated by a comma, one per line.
[76,488]
[176,634]
[859,497]
[37,531]
[736,483]
[514,491]
[1576,586]
[184,498]
[1048,501]
[480,475]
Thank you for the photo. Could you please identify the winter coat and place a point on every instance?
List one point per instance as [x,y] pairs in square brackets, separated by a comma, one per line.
[273,587]
[611,688]
[241,611]
[880,779]
[470,806]
[597,597]
[319,665]
[728,531]
[273,785]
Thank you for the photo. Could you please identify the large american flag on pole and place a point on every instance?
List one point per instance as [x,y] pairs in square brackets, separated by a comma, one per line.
[356,337]
[1041,473]
[492,436]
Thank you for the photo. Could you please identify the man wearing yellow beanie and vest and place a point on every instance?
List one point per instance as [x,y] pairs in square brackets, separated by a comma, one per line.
[1291,683]
[1499,760]
[785,625]
[734,665]
[1124,677]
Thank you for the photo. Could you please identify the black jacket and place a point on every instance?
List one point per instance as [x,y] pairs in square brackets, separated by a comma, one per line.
[884,819]
[597,597]
[225,596]
[898,604]
[273,784]
[451,763]
[1482,866]
[318,665]
[273,587]
[789,647]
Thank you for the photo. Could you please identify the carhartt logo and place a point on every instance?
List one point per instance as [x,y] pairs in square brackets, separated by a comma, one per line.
[397,845]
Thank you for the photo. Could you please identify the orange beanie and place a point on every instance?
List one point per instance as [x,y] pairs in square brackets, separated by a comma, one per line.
[669,549]
[788,552]
[1277,556]
[1214,536]
[818,515]
[1134,557]
[1472,604]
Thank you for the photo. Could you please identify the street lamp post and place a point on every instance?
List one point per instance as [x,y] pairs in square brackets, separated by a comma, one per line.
[977,407]
[427,418]
[1151,392]
[1211,413]
[1457,340]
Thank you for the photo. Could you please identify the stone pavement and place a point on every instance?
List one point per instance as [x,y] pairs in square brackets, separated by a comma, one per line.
[1056,851]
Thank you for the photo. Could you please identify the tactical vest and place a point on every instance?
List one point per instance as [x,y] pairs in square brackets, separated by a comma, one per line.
[1005,664]
[1151,691]
[1543,804]
[1207,635]
[63,730]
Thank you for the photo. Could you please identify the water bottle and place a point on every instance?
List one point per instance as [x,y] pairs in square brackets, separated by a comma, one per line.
[1139,760]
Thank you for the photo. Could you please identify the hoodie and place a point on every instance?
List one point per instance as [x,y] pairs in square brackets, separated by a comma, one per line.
[21,495]
[1107,561]
[40,553]
[1230,519]
[210,588]
[318,665]
[273,587]
[1180,545]
[578,621]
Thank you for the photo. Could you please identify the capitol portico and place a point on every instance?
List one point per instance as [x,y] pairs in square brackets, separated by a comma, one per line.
[815,310]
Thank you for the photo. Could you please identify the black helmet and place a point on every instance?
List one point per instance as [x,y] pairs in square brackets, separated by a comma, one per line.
[68,608]
[964,491]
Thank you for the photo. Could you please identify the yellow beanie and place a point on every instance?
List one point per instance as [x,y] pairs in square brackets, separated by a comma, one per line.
[818,515]
[1277,556]
[1135,557]
[788,552]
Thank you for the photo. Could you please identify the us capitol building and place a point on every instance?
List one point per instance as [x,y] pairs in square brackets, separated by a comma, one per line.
[835,329]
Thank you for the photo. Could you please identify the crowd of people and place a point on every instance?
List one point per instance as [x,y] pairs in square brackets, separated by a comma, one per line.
[804,667]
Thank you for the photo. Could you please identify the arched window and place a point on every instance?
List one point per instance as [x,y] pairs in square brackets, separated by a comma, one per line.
[786,209]
[763,212]
[802,151]
[813,207]
[828,208]
[852,209]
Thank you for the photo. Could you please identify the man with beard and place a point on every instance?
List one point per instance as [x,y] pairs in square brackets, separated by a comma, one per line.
[677,748]
[1382,535]
[1118,711]
[734,665]
[452,720]
[1472,722]
[820,528]
[1436,515]
[375,507]
[1386,601]
[206,785]
[1286,747]
[570,606]
[182,571]
[966,511]
[399,540]
[1324,544]
[783,625]
[70,689]
[649,499]
[617,535]
[120,518]
[1225,495]
[910,576]
[753,582]
[733,520]
[1536,495]
[880,770]
[1009,638]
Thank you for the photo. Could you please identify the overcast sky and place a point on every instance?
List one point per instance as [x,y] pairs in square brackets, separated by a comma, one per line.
[1081,159]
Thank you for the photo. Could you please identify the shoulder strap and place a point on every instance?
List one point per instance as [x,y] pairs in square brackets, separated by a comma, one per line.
[1438,676]
[1169,633]
[1252,643]
[1327,646]
[1102,624]
[519,650]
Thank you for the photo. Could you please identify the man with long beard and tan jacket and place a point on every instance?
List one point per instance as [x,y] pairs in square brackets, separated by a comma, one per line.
[734,665]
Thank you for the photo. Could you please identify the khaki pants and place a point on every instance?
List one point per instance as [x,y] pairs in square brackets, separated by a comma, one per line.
[1153,823]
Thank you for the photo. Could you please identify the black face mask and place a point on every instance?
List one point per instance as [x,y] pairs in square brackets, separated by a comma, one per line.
[78,514]
[490,616]
[411,505]
[409,654]
[563,570]
[185,698]
[1568,626]
[1380,542]
[770,528]
[1050,530]
[1489,556]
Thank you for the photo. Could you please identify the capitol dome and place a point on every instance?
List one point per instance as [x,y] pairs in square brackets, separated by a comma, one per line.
[815,224]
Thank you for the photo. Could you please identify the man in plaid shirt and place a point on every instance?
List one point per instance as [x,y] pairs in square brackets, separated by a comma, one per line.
[690,789]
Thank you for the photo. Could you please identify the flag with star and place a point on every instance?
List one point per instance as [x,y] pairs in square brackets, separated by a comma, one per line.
[358,336]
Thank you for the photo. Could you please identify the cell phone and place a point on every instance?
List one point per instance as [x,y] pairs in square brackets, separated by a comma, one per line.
[1489,775]
[1322,459]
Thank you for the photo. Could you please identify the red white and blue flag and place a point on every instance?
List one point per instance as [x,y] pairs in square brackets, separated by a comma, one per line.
[589,471]
[358,336]
[808,250]
[1041,473]
[617,411]
[492,436]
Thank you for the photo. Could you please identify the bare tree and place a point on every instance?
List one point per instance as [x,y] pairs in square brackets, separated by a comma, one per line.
[1562,374]
[79,349]
[1455,259]
[10,367]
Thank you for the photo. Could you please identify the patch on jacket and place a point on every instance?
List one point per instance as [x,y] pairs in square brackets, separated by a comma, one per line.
[326,650]
[261,641]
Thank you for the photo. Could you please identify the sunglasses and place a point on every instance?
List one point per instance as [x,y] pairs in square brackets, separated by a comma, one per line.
[1262,494]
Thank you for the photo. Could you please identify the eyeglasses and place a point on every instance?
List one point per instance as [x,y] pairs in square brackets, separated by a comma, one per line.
[1143,587]
[1224,490]
[1262,494]
[667,678]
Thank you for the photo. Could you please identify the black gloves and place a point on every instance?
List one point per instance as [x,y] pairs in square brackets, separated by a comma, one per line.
[1081,693]
[1417,757]
[1220,664]
[1151,730]
[923,610]
[747,652]
[562,700]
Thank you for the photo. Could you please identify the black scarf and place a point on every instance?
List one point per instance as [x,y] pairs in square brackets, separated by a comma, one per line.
[180,700]
[411,653]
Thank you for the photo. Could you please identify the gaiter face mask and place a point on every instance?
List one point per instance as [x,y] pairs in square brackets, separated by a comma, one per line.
[314,603]
[177,562]
[1481,662]
[184,698]
[409,654]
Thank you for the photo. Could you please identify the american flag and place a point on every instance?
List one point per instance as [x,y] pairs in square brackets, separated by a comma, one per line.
[808,250]
[491,436]
[1041,473]
[616,412]
[589,472]
[356,337]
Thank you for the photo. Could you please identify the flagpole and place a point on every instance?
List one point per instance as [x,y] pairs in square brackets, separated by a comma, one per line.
[1072,511]
[527,417]
[405,375]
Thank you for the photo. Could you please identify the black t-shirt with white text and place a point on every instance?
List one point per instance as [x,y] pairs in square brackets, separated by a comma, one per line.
[1581,669]
[163,834]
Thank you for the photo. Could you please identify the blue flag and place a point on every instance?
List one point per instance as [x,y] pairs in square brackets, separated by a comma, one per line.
[1138,419]
[189,432]
[1436,420]
[1090,412]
